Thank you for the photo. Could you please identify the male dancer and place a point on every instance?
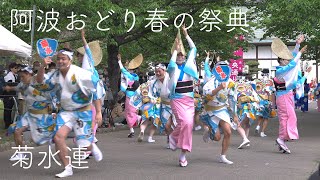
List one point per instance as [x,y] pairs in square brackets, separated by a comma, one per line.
[77,88]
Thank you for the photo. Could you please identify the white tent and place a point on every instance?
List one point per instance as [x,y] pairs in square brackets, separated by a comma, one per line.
[10,44]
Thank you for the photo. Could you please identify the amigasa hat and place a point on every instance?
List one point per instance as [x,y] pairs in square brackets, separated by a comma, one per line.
[95,50]
[280,49]
[181,50]
[136,62]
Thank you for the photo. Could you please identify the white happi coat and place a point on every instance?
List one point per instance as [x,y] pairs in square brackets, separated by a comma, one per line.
[77,87]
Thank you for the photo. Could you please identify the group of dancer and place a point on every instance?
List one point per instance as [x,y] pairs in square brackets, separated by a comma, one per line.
[67,99]
[170,101]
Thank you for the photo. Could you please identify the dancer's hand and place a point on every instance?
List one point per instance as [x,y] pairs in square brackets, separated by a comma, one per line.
[236,120]
[309,69]
[54,115]
[119,57]
[99,118]
[47,61]
[223,85]
[300,39]
[83,33]
[178,44]
[208,53]
[303,49]
[184,30]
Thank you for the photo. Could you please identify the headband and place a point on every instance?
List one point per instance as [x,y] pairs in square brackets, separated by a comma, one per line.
[68,53]
[162,66]
[27,69]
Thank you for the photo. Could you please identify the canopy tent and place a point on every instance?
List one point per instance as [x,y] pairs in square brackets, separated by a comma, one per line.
[10,44]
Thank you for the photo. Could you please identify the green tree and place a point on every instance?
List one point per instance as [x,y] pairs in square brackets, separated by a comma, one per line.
[155,47]
[287,19]
[253,67]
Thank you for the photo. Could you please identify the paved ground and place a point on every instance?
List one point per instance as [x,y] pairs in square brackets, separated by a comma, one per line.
[125,158]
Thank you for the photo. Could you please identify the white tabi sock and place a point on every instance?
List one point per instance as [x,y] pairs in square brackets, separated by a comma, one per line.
[131,130]
[182,156]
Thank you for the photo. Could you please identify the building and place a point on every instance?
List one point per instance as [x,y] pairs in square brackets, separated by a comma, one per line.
[261,51]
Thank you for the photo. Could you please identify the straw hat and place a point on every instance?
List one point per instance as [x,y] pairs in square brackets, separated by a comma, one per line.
[181,50]
[95,50]
[280,49]
[136,62]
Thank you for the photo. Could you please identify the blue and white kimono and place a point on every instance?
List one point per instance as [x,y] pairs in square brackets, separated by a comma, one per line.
[129,81]
[292,76]
[88,64]
[160,90]
[221,106]
[38,116]
[248,100]
[75,96]
[147,103]
[264,105]
[186,72]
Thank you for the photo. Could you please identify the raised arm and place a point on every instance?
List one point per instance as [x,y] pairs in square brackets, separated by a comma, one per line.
[125,72]
[299,40]
[207,69]
[172,64]
[190,42]
[292,63]
[41,70]
[84,41]
[88,54]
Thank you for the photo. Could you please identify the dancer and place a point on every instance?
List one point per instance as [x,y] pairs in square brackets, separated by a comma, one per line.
[197,105]
[129,84]
[247,105]
[77,88]
[182,73]
[265,90]
[287,79]
[90,55]
[219,108]
[11,79]
[159,88]
[150,110]
[39,112]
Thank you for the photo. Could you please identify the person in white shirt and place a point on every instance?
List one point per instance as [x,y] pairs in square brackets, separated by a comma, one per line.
[8,101]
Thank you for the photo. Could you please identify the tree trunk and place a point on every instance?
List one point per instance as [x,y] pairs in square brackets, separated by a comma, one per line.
[113,68]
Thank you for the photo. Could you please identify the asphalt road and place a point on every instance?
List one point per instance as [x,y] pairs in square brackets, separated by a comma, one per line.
[125,158]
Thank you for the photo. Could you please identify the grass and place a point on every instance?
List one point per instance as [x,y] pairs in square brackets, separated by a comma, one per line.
[4,139]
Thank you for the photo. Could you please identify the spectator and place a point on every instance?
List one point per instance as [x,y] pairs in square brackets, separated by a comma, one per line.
[2,81]
[8,102]
[117,113]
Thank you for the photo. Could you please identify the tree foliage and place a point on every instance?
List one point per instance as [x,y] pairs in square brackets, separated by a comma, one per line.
[288,19]
[155,47]
[253,67]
